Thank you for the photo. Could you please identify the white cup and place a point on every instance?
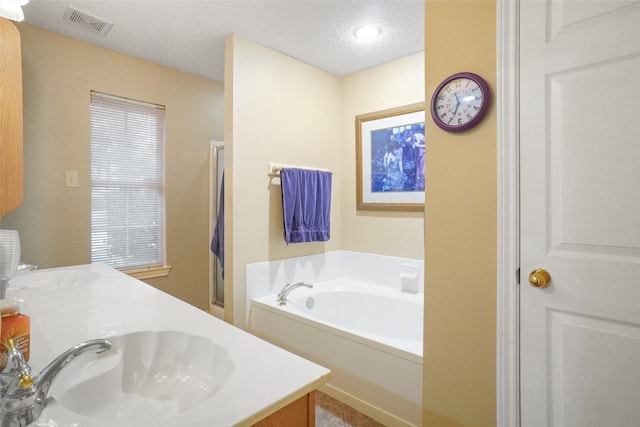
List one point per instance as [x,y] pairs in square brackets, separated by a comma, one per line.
[9,254]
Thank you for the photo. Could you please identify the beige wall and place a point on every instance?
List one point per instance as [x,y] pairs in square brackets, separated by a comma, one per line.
[285,111]
[460,231]
[282,111]
[53,221]
[390,85]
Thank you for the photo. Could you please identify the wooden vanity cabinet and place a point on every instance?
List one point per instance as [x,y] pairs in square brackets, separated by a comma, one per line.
[300,413]
[10,117]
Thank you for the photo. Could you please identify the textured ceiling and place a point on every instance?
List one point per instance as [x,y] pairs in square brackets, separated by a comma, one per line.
[189,35]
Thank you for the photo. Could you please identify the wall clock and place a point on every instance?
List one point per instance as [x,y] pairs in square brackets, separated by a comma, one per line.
[460,102]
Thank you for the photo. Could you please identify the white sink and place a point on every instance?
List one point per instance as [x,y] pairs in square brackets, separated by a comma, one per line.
[53,279]
[146,379]
[197,371]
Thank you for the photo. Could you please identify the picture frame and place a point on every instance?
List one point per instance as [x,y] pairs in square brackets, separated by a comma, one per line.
[390,150]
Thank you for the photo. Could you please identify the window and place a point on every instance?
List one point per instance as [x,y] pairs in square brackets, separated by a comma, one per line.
[127,183]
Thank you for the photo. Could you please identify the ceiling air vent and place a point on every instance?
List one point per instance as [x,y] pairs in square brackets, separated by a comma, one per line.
[87,21]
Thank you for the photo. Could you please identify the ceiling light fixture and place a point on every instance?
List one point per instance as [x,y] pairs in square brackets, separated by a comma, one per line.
[367,32]
[12,9]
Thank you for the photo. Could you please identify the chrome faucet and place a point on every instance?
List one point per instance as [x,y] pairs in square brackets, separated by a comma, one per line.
[28,267]
[282,295]
[4,283]
[23,397]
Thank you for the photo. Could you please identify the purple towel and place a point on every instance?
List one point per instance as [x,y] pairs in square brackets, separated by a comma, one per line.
[217,243]
[306,205]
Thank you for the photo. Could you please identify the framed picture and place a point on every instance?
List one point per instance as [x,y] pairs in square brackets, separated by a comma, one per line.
[390,149]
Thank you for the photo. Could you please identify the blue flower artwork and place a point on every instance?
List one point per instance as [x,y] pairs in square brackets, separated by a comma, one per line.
[397,159]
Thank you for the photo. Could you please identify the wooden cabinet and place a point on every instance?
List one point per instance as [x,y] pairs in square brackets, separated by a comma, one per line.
[300,413]
[10,117]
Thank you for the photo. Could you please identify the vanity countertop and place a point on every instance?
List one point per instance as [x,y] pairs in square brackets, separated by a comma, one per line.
[73,304]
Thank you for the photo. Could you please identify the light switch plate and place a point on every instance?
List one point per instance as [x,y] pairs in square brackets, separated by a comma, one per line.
[71,179]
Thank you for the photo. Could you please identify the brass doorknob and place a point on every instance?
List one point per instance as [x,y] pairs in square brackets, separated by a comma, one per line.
[539,278]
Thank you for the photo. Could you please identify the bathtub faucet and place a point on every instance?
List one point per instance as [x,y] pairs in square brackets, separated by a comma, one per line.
[282,295]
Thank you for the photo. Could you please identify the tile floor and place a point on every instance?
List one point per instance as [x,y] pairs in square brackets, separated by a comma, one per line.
[333,413]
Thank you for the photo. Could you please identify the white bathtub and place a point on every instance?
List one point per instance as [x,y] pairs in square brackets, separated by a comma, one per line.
[369,336]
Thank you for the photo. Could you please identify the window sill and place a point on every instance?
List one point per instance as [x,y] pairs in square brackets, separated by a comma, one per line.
[149,272]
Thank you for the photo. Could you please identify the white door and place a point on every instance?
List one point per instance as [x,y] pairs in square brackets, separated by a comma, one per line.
[580,213]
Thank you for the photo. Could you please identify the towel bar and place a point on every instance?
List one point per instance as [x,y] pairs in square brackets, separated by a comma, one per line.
[274,169]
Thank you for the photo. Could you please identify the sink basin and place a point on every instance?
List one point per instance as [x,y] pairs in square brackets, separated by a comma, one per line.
[146,379]
[53,279]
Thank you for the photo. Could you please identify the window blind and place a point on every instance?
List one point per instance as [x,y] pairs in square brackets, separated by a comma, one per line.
[127,182]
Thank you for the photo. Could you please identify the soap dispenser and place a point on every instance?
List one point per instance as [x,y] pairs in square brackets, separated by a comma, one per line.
[16,326]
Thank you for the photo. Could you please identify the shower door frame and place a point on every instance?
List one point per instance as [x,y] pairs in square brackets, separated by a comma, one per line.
[216,305]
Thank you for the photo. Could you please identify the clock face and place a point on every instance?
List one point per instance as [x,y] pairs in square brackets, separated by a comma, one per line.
[460,102]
